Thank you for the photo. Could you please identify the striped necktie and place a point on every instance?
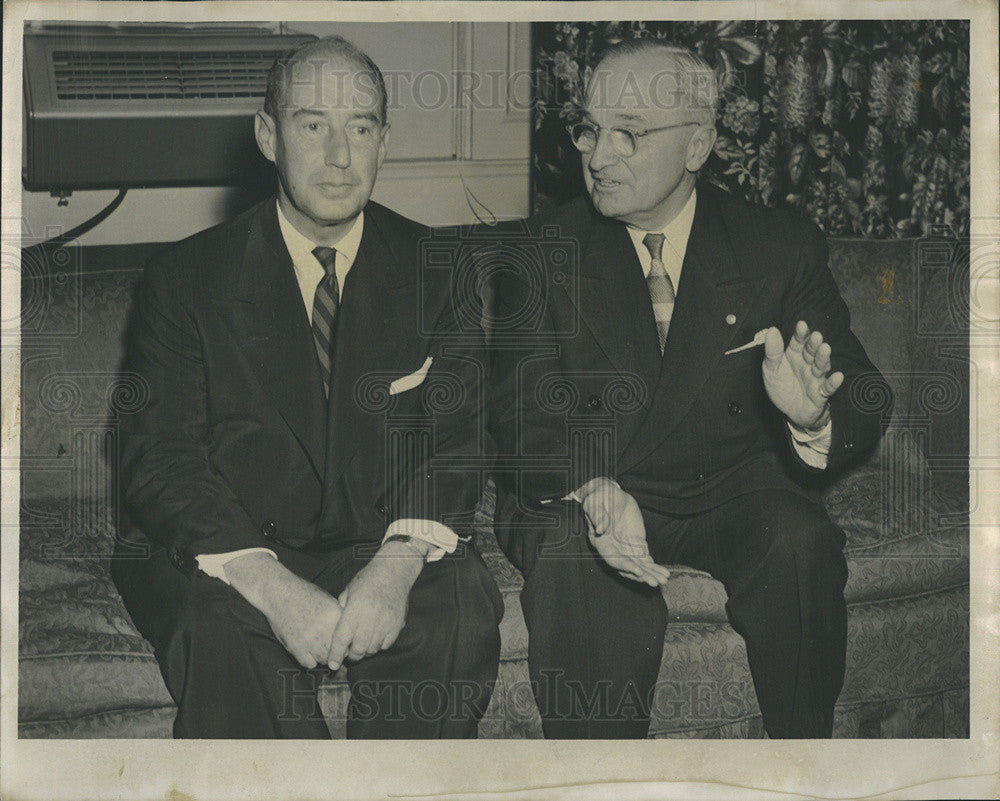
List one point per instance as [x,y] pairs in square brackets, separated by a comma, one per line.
[324,314]
[661,288]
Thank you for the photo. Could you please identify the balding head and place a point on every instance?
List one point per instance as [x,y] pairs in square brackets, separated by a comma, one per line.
[325,131]
[302,64]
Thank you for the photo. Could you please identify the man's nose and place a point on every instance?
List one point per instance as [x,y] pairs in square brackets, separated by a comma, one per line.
[604,154]
[337,150]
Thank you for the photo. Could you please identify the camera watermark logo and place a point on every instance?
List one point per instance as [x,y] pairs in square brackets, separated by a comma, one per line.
[500,278]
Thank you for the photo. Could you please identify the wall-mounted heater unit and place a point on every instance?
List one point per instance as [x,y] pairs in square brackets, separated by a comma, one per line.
[127,108]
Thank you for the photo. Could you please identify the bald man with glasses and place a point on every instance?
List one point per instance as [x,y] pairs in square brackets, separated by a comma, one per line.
[684,390]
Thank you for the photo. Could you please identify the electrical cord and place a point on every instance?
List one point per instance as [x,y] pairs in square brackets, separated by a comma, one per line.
[74,233]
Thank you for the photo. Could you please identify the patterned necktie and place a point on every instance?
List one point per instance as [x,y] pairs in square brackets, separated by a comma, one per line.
[325,305]
[661,288]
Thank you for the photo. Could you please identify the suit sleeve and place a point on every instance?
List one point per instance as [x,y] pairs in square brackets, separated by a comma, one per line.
[170,488]
[814,297]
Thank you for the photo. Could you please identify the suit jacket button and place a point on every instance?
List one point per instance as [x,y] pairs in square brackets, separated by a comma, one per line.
[269,529]
[594,402]
[380,508]
[735,408]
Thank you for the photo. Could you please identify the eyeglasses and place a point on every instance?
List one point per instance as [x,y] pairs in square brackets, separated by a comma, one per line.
[624,141]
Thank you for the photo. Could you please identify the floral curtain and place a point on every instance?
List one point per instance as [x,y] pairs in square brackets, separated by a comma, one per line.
[863,126]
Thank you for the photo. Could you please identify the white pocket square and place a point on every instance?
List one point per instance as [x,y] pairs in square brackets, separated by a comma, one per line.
[758,339]
[412,380]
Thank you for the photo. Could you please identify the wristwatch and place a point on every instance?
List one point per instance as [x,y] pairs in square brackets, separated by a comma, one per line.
[406,539]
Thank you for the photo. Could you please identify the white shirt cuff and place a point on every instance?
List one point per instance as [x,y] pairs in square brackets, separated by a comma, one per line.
[213,564]
[441,538]
[813,449]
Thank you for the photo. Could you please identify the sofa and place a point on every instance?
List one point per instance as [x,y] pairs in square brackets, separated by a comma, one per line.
[85,672]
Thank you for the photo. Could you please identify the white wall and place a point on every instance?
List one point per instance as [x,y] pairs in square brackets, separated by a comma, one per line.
[442,148]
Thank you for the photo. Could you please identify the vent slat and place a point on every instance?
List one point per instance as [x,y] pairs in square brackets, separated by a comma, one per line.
[170,75]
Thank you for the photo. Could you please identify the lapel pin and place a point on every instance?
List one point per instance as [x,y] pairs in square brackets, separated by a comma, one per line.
[730,319]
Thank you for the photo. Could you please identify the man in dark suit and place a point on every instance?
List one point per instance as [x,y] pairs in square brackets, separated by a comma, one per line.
[648,411]
[304,372]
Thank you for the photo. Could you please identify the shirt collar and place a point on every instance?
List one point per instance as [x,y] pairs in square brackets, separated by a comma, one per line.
[300,247]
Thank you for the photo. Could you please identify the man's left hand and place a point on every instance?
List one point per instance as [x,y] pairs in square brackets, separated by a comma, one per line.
[798,378]
[617,531]
[375,603]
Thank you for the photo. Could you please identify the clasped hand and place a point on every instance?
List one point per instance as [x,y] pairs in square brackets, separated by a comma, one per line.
[375,603]
[617,531]
[798,378]
[316,628]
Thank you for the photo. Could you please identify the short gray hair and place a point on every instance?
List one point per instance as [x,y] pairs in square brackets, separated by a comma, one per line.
[696,78]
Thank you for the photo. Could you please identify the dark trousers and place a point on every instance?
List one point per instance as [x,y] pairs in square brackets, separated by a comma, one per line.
[596,639]
[231,678]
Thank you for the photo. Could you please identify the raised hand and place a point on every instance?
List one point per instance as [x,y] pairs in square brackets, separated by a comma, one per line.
[798,378]
[617,531]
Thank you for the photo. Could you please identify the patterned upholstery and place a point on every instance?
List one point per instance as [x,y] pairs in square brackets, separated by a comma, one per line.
[86,672]
[84,667]
[903,593]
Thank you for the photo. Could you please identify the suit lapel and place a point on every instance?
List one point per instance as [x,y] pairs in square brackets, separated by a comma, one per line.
[275,334]
[717,281]
[377,315]
[602,303]
[607,312]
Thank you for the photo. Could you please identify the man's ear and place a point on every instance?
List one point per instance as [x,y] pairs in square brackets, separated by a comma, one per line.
[383,145]
[699,147]
[265,129]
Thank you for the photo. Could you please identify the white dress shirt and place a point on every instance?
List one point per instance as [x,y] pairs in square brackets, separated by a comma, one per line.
[813,449]
[308,273]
